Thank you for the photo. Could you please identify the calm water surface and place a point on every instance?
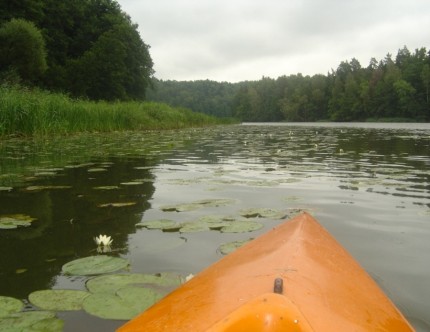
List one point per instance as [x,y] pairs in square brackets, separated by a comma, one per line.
[368,184]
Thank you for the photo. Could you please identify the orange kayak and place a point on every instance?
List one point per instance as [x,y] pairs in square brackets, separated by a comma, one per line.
[296,277]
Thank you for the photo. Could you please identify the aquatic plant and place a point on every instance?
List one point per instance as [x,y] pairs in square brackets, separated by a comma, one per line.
[37,112]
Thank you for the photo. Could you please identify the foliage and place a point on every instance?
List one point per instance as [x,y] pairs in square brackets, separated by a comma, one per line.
[22,50]
[93,265]
[38,112]
[391,88]
[93,48]
[58,299]
[209,97]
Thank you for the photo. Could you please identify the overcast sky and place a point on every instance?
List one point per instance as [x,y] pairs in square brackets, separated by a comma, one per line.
[238,40]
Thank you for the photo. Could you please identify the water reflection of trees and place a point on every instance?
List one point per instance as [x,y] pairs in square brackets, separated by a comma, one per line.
[68,219]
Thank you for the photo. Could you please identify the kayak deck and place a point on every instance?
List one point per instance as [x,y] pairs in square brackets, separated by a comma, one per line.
[324,289]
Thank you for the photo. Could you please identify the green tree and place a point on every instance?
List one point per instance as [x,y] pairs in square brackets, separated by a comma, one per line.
[88,36]
[405,93]
[425,76]
[345,103]
[22,50]
[116,67]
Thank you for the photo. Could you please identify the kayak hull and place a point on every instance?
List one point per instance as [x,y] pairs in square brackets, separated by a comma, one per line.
[324,289]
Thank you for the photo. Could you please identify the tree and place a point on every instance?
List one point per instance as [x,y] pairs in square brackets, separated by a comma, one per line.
[88,36]
[405,93]
[22,50]
[116,67]
[425,76]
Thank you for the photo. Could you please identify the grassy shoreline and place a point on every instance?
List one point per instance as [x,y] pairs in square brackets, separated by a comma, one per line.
[37,113]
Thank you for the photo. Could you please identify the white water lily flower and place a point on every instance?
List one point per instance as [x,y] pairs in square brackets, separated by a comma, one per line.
[189,277]
[103,240]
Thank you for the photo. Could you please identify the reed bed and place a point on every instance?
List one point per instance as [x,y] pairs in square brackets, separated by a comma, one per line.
[37,112]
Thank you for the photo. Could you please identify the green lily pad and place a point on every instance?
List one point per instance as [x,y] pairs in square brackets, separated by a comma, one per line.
[194,227]
[15,220]
[229,247]
[106,188]
[45,173]
[113,282]
[215,222]
[197,205]
[79,165]
[93,265]
[292,198]
[40,188]
[136,182]
[58,299]
[180,207]
[117,205]
[126,304]
[9,305]
[157,224]
[242,227]
[35,321]
[173,228]
[261,213]
[262,183]
[96,170]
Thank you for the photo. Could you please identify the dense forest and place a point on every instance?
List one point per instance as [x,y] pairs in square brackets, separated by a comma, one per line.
[85,48]
[390,89]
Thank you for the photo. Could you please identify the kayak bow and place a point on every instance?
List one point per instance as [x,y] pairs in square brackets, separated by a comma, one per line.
[296,277]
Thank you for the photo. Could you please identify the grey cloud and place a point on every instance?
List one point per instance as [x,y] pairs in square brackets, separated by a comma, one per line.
[245,39]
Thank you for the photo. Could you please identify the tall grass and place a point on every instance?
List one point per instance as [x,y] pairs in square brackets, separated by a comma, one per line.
[38,112]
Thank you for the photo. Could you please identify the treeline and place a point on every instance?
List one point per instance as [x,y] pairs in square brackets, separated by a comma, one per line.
[393,88]
[85,48]
[205,96]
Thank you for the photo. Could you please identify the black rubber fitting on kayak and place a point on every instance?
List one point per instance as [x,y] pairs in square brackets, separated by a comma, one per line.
[278,286]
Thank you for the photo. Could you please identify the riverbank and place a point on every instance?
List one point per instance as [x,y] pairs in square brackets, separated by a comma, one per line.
[35,112]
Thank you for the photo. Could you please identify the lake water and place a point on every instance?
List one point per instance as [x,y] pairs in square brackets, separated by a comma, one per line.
[368,184]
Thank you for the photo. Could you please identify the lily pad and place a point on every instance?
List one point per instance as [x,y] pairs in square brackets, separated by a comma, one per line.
[45,173]
[180,207]
[35,321]
[242,227]
[215,202]
[58,299]
[261,213]
[9,305]
[194,227]
[93,265]
[157,224]
[40,188]
[6,188]
[217,222]
[173,228]
[136,182]
[126,304]
[117,205]
[96,170]
[106,188]
[113,282]
[197,205]
[15,220]
[229,247]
